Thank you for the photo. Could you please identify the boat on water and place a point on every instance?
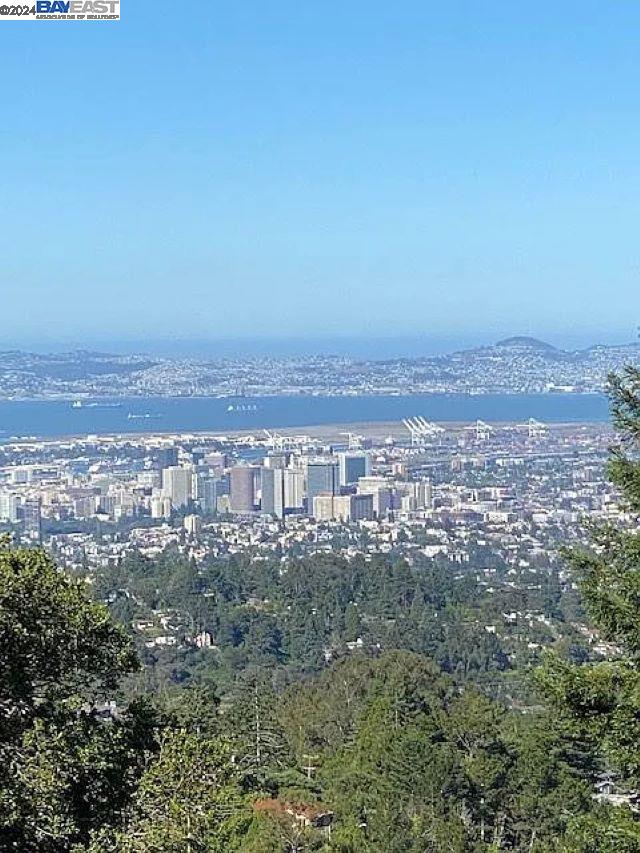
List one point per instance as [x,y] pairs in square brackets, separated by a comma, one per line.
[79,404]
[242,407]
[132,416]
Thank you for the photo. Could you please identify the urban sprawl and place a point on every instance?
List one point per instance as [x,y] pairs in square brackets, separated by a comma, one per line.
[493,500]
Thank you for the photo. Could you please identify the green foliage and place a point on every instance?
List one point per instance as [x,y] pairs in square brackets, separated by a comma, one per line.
[63,769]
[607,830]
[54,640]
[599,704]
[188,800]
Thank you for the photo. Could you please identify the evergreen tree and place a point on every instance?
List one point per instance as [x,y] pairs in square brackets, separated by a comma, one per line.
[599,703]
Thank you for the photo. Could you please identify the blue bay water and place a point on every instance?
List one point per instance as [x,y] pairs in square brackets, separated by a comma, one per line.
[189,414]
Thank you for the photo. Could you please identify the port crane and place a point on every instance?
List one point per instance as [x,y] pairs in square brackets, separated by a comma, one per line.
[421,430]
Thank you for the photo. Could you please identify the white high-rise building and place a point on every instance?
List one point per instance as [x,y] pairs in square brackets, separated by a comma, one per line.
[293,488]
[272,480]
[177,485]
[379,487]
[160,506]
[9,507]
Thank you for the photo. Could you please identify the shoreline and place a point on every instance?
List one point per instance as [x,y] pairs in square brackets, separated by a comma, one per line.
[120,399]
[334,432]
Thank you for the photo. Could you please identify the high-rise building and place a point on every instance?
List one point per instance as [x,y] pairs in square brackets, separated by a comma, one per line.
[352,467]
[293,489]
[149,479]
[272,489]
[381,491]
[426,494]
[323,478]
[32,518]
[208,489]
[177,485]
[361,507]
[243,491]
[9,505]
[106,505]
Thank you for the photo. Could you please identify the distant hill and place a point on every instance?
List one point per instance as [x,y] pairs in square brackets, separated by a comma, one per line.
[517,364]
[524,342]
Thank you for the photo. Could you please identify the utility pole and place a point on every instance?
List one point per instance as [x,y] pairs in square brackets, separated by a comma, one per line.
[309,768]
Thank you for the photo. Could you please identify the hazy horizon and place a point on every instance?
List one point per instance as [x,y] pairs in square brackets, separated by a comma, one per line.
[409,346]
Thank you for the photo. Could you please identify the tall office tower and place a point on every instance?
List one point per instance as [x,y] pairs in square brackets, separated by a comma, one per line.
[243,491]
[177,485]
[352,467]
[32,518]
[383,502]
[207,493]
[167,457]
[415,495]
[293,488]
[9,507]
[323,478]
[272,486]
[382,494]
[106,505]
[361,507]
[210,488]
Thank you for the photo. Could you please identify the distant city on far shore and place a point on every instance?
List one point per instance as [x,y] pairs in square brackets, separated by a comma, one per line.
[514,365]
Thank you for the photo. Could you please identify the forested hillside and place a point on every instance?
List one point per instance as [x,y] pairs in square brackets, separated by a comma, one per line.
[320,704]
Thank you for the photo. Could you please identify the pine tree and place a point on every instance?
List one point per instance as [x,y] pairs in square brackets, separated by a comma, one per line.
[599,703]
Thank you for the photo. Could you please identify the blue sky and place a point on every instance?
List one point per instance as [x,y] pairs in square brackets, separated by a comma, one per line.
[458,171]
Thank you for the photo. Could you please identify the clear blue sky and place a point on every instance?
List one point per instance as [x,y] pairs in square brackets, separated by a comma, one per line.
[458,170]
